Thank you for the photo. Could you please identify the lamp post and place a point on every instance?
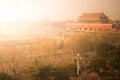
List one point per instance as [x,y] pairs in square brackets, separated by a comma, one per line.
[78,64]
[78,58]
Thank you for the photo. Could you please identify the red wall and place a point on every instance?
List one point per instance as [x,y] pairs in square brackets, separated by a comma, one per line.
[89,27]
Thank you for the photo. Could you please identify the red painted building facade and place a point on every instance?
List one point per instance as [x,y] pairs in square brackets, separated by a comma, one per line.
[90,22]
[88,27]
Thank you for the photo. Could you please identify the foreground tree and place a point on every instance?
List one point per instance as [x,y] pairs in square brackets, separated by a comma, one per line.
[90,76]
[5,76]
[54,73]
[107,61]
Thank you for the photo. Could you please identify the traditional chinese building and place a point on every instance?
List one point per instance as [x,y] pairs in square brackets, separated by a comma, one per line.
[93,18]
[116,24]
[90,22]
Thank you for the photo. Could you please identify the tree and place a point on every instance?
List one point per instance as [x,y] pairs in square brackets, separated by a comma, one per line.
[44,73]
[79,43]
[91,76]
[106,63]
[55,73]
[5,76]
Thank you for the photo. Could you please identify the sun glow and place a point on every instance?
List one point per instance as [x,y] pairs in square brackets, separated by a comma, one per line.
[12,13]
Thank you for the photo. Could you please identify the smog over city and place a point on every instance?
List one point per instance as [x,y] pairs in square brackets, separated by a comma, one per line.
[59,40]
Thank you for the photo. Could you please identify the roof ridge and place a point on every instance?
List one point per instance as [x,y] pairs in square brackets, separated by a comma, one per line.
[92,14]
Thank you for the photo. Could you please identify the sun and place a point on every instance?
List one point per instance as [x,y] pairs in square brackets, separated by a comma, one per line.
[12,14]
[7,14]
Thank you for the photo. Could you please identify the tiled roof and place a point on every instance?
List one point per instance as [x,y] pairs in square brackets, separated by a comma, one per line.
[91,15]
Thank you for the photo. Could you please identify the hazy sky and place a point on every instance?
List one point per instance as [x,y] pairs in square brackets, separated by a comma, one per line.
[55,9]
[13,11]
